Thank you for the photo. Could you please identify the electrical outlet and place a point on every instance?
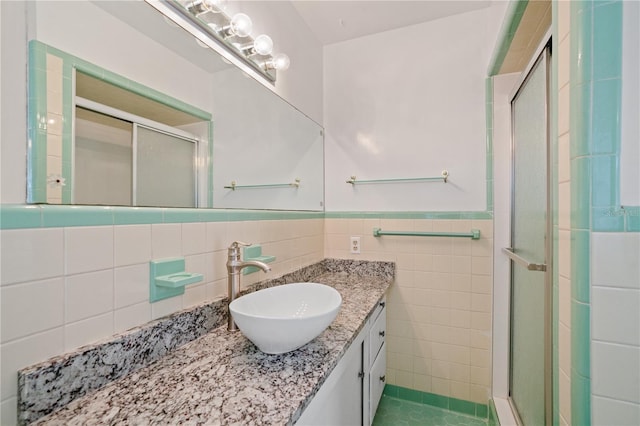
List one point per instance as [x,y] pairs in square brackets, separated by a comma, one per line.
[355,245]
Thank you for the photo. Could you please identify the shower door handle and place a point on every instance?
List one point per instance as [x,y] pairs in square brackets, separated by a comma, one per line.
[524,262]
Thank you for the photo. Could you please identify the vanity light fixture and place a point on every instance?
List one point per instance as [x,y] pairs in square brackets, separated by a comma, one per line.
[198,7]
[233,33]
[239,26]
[262,45]
[279,62]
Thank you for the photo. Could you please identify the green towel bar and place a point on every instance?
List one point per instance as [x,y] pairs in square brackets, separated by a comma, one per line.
[474,234]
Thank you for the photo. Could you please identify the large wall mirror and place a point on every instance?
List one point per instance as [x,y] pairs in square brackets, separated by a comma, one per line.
[127,108]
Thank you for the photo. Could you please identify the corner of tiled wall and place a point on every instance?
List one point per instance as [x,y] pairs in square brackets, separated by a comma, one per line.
[439,317]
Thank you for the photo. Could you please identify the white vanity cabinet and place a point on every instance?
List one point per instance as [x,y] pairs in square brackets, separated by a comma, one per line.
[351,393]
[377,358]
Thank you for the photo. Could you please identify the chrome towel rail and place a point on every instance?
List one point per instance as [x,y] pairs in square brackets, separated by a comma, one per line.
[234,185]
[443,177]
[474,234]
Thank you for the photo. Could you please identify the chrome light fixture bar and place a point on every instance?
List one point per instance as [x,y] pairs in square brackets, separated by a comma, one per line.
[232,33]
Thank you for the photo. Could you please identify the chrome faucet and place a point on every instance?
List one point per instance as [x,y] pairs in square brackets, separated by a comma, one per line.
[234,267]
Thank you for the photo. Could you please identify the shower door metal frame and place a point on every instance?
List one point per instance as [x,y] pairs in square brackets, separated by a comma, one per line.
[542,57]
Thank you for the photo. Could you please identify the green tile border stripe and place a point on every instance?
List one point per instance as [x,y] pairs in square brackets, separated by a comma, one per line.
[474,215]
[22,216]
[37,124]
[512,19]
[440,401]
[580,130]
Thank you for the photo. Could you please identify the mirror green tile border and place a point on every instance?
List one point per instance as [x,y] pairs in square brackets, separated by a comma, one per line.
[444,402]
[37,116]
[22,216]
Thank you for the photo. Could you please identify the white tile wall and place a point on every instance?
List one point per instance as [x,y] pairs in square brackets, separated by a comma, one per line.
[132,244]
[607,411]
[67,287]
[131,316]
[194,238]
[31,254]
[615,371]
[88,295]
[439,317]
[616,256]
[25,351]
[166,240]
[616,315]
[87,331]
[88,248]
[42,297]
[615,328]
[131,285]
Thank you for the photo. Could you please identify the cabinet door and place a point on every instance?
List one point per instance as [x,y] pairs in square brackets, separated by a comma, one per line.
[339,400]
[377,380]
[377,334]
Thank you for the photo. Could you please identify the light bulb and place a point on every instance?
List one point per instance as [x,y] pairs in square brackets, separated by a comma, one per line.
[240,25]
[281,62]
[263,45]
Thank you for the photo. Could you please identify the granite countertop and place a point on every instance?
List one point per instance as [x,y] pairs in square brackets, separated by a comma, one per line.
[222,378]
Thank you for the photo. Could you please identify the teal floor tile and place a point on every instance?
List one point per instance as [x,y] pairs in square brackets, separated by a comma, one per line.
[398,412]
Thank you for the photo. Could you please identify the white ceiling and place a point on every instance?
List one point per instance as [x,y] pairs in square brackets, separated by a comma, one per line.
[334,21]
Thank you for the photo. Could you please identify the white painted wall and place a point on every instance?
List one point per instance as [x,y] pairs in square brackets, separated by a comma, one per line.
[13,136]
[277,145]
[409,103]
[301,84]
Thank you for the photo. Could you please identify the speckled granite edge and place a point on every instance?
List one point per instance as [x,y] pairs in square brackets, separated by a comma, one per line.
[361,267]
[357,267]
[50,385]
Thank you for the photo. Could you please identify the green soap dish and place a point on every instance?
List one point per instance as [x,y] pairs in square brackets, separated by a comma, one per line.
[167,278]
[180,279]
[254,252]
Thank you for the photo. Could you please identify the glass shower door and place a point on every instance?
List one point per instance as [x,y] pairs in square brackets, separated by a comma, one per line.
[530,355]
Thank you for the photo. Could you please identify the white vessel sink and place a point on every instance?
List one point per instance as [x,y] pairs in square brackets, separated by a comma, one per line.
[281,319]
